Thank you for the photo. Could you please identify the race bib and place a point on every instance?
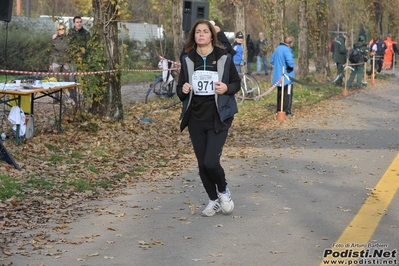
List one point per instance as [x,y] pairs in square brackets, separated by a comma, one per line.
[204,82]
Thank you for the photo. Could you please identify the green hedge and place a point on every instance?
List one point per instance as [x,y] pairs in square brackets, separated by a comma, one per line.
[31,51]
[24,50]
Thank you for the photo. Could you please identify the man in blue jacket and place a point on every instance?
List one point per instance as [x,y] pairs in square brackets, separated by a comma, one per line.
[283,63]
[237,58]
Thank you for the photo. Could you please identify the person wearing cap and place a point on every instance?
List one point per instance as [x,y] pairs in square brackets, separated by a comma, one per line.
[340,56]
[237,46]
[358,69]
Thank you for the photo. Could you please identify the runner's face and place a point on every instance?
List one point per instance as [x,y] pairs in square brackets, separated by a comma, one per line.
[203,35]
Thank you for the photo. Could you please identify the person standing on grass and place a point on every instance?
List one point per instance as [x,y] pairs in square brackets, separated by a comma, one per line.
[283,57]
[340,56]
[237,46]
[250,53]
[377,50]
[207,83]
[358,68]
[261,53]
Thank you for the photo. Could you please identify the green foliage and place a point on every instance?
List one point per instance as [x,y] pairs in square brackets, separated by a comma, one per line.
[130,53]
[24,50]
[9,187]
[77,155]
[93,59]
[292,30]
[80,185]
[56,158]
[40,183]
[138,77]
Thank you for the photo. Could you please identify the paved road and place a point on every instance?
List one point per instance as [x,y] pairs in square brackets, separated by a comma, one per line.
[294,196]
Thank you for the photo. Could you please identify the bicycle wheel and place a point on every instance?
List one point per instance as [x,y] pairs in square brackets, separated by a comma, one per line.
[240,95]
[250,86]
[152,92]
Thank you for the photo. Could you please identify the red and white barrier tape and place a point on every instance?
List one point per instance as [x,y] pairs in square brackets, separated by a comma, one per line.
[263,94]
[81,73]
[170,61]
[91,72]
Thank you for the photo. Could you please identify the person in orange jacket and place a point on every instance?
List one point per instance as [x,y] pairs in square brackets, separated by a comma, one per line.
[388,52]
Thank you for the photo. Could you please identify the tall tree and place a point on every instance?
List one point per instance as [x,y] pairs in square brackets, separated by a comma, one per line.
[303,62]
[109,102]
[239,18]
[321,51]
[177,29]
[276,19]
[19,5]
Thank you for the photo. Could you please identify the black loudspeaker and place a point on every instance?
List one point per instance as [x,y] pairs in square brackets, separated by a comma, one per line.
[193,11]
[5,10]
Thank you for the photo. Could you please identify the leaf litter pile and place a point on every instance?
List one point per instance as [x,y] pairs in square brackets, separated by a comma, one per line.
[96,159]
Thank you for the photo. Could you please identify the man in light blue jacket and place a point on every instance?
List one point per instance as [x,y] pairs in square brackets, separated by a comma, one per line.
[237,46]
[283,62]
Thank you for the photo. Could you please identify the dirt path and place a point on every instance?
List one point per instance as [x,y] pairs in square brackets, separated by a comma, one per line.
[295,191]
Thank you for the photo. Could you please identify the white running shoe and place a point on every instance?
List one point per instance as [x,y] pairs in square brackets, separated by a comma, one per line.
[212,208]
[226,203]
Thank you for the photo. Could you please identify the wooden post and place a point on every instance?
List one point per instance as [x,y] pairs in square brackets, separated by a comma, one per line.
[345,90]
[373,71]
[364,81]
[281,114]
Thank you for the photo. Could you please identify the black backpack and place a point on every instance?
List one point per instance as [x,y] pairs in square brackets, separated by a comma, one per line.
[381,47]
[355,55]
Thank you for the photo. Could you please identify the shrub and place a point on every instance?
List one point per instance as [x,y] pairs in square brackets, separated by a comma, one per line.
[24,50]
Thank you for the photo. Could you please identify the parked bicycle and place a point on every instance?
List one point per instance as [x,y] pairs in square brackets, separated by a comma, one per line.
[249,88]
[163,85]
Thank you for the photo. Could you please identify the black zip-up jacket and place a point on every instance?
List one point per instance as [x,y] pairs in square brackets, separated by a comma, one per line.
[226,104]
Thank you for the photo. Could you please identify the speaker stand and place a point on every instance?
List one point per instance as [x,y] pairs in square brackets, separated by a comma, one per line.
[6,156]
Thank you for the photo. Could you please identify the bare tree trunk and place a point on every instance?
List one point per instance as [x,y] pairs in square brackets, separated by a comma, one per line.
[177,28]
[276,21]
[321,55]
[303,62]
[27,8]
[19,4]
[105,18]
[239,17]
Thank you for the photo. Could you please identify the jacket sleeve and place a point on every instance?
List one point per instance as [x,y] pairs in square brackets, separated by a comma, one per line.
[225,42]
[234,84]
[289,59]
[272,59]
[256,46]
[342,48]
[182,80]
[251,47]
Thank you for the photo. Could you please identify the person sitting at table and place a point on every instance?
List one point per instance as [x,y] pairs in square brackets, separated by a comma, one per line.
[59,54]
